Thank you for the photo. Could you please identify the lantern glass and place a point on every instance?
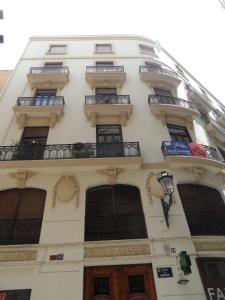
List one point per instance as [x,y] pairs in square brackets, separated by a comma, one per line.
[166,181]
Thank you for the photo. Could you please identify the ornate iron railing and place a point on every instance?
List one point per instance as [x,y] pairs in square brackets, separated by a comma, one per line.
[20,231]
[16,294]
[107,99]
[96,69]
[184,150]
[69,151]
[160,70]
[161,99]
[51,70]
[206,223]
[41,101]
[207,119]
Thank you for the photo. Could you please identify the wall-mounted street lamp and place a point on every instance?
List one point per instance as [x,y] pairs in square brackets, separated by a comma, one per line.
[166,181]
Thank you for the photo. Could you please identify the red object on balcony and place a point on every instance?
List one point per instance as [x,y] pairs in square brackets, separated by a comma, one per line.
[197,150]
[2,297]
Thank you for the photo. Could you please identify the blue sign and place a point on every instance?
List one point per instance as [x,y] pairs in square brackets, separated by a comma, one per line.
[177,148]
[164,272]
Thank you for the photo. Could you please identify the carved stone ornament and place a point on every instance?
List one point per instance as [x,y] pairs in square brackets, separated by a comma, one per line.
[66,189]
[197,171]
[112,251]
[18,255]
[21,177]
[153,187]
[111,174]
[210,246]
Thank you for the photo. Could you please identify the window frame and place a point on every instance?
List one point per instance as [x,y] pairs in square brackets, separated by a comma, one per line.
[57,45]
[187,134]
[103,52]
[146,49]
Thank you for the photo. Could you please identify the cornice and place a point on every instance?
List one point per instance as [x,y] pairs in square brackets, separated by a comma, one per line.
[92,37]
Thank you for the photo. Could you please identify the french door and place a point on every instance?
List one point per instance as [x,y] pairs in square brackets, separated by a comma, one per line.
[109,141]
[127,282]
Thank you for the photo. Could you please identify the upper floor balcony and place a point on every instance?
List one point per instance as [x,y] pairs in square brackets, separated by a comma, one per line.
[48,77]
[78,154]
[39,111]
[219,116]
[182,154]
[169,109]
[200,99]
[214,128]
[105,76]
[108,109]
[159,76]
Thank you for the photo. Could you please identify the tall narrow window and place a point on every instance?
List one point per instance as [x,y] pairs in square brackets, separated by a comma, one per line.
[114,213]
[179,133]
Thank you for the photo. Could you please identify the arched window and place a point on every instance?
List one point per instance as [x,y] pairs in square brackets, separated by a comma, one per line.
[114,213]
[204,209]
[21,212]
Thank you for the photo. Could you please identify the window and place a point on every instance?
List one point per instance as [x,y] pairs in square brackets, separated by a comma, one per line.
[162,92]
[53,64]
[114,213]
[204,209]
[57,49]
[47,92]
[104,63]
[21,212]
[103,48]
[179,133]
[146,49]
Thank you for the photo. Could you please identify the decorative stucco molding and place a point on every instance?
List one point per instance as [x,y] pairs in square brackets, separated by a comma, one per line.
[209,246]
[50,120]
[112,251]
[66,189]
[153,187]
[197,171]
[148,186]
[111,174]
[21,177]
[18,255]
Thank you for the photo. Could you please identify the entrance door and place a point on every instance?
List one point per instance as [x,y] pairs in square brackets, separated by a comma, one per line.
[109,141]
[128,282]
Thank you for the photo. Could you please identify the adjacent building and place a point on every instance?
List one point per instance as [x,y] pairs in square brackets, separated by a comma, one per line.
[111,174]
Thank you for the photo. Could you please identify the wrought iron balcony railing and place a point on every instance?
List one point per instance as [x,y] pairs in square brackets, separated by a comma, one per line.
[49,70]
[170,148]
[69,151]
[161,99]
[15,294]
[206,223]
[107,99]
[20,231]
[159,70]
[102,69]
[207,119]
[41,101]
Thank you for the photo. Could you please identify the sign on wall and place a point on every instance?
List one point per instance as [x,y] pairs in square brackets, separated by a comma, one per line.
[164,272]
[177,148]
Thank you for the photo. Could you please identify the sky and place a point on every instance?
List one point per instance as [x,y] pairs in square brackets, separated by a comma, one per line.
[193,31]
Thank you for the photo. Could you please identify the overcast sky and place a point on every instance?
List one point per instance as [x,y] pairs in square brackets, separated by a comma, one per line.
[193,31]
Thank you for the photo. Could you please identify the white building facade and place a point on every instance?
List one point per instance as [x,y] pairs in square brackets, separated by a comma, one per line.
[88,124]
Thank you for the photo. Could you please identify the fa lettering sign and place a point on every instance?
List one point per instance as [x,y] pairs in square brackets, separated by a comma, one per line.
[216,293]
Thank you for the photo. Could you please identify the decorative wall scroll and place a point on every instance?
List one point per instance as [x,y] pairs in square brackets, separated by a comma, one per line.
[111,174]
[66,189]
[197,171]
[21,177]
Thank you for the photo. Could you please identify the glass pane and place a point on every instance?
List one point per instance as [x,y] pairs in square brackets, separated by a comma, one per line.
[136,284]
[9,201]
[101,286]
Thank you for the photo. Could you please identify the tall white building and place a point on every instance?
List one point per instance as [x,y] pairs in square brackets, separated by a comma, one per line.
[92,130]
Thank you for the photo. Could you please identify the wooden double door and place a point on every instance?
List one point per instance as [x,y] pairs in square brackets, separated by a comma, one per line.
[127,282]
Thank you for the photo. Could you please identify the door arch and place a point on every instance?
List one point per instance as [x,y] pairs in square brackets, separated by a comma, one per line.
[114,212]
[21,213]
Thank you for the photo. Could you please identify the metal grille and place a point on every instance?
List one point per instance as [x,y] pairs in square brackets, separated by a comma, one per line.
[107,99]
[94,69]
[52,70]
[16,294]
[150,68]
[41,101]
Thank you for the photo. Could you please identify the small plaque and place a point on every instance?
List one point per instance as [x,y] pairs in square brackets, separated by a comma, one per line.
[164,272]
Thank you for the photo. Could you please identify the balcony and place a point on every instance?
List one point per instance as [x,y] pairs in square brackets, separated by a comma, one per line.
[78,154]
[15,294]
[48,77]
[105,76]
[108,109]
[215,130]
[39,111]
[182,154]
[219,116]
[173,110]
[20,231]
[159,76]
[201,100]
